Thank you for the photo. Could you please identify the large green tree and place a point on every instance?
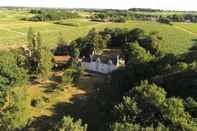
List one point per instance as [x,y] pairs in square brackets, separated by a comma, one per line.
[39,58]
[147,106]
[15,111]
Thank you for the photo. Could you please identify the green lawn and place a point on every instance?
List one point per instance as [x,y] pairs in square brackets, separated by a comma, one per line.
[13,31]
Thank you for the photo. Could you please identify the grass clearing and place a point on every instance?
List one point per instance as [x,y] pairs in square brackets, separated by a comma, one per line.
[85,87]
[75,100]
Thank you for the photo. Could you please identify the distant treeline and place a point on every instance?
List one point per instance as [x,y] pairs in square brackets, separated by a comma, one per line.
[146,10]
[51,14]
[110,16]
[122,16]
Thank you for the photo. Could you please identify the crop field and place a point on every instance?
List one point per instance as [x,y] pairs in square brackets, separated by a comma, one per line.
[13,31]
[188,26]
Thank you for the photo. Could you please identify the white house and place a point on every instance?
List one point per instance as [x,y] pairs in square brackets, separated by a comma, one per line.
[100,66]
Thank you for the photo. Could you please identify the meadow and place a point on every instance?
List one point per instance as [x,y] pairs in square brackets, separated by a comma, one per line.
[13,31]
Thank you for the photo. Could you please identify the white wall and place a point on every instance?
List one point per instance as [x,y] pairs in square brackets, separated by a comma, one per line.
[99,67]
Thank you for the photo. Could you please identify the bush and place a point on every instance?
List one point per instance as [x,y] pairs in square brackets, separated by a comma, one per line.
[39,102]
[60,87]
[71,75]
[11,72]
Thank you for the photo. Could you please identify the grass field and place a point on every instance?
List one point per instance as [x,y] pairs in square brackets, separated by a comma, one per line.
[75,100]
[13,31]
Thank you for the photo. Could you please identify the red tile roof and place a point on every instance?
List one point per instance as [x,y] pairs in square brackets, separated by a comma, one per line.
[61,58]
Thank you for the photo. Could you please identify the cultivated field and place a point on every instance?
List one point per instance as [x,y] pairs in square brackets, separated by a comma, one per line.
[176,39]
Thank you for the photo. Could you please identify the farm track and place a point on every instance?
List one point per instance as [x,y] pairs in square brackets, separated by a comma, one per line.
[185,30]
[9,30]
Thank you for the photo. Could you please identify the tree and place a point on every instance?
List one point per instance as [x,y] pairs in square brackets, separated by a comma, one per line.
[15,113]
[45,62]
[90,43]
[75,53]
[147,106]
[99,43]
[135,34]
[30,37]
[11,74]
[151,42]
[135,127]
[15,109]
[191,106]
[135,54]
[164,20]
[39,58]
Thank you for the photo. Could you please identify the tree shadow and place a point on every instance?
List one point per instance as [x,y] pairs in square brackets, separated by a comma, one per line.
[80,106]
[191,55]
[43,123]
[194,45]
[86,109]
[50,87]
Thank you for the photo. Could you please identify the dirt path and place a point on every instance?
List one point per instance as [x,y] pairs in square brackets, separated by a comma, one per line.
[10,30]
[185,30]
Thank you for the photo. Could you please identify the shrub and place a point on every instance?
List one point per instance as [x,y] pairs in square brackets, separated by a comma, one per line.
[68,124]
[71,75]
[39,102]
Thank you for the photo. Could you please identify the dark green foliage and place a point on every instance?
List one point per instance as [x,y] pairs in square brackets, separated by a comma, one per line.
[138,55]
[93,42]
[145,10]
[48,15]
[176,18]
[15,113]
[143,14]
[62,49]
[116,37]
[45,63]
[109,17]
[71,75]
[15,110]
[148,106]
[164,20]
[39,102]
[11,74]
[75,53]
[38,58]
[122,37]
[191,106]
[135,127]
